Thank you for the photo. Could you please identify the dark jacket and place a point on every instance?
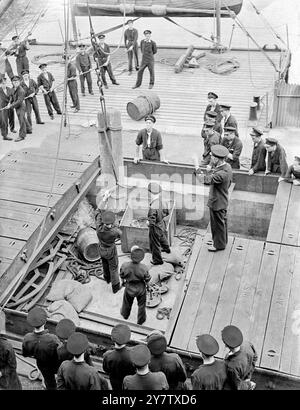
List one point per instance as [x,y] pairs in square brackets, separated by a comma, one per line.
[43,347]
[8,366]
[17,98]
[171,365]
[276,161]
[151,152]
[209,141]
[149,381]
[83,62]
[107,236]
[102,54]
[42,80]
[130,37]
[219,180]
[235,148]
[5,97]
[20,49]
[240,366]
[32,88]
[148,50]
[117,364]
[63,354]
[71,70]
[158,210]
[231,122]
[217,109]
[258,161]
[209,376]
[135,276]
[79,376]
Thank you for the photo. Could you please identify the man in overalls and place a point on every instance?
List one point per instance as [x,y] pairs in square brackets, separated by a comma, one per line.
[107,234]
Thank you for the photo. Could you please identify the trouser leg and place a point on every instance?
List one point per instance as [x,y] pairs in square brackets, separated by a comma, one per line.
[151,71]
[154,242]
[114,270]
[110,73]
[89,82]
[141,301]
[130,58]
[8,69]
[82,78]
[136,56]
[126,305]
[22,122]
[25,63]
[28,114]
[19,64]
[164,243]
[218,221]
[55,102]
[35,107]
[106,273]
[11,119]
[49,378]
[139,79]
[73,89]
[4,123]
[102,72]
[48,104]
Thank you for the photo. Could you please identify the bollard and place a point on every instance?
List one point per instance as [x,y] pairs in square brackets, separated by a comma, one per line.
[253,112]
[256,99]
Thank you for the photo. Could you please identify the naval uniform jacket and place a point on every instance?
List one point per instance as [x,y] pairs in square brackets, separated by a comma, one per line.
[63,354]
[209,141]
[135,276]
[276,161]
[158,210]
[5,96]
[209,376]
[150,152]
[79,376]
[107,236]
[8,366]
[131,37]
[83,62]
[219,180]
[258,161]
[30,88]
[17,98]
[117,364]
[148,49]
[216,108]
[42,80]
[240,366]
[171,365]
[102,54]
[231,122]
[149,381]
[235,148]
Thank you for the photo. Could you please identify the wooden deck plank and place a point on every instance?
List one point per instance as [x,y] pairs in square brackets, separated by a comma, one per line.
[11,243]
[291,233]
[37,185]
[4,266]
[28,197]
[279,213]
[278,313]
[9,252]
[16,207]
[290,354]
[66,155]
[210,289]
[7,213]
[8,167]
[244,303]
[17,229]
[230,287]
[16,173]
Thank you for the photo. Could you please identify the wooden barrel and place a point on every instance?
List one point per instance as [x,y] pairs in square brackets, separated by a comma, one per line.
[143,105]
[88,244]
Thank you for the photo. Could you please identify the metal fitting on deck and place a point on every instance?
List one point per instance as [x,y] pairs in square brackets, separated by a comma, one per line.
[23,256]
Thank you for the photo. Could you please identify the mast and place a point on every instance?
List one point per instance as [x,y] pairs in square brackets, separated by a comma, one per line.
[218,23]
[73,19]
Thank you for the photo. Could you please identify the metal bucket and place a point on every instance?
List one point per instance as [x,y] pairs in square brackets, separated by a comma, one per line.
[88,244]
[143,105]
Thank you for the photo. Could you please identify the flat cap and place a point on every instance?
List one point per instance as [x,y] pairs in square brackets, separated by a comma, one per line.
[37,317]
[209,124]
[211,114]
[207,345]
[42,65]
[101,36]
[226,106]
[147,32]
[232,336]
[157,344]
[14,37]
[65,328]
[271,141]
[15,78]
[151,118]
[212,95]
[230,129]
[137,254]
[24,72]
[77,343]
[154,188]
[120,334]
[219,151]
[256,131]
[108,217]
[140,355]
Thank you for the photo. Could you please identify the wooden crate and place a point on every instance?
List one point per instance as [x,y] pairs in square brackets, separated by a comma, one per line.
[140,236]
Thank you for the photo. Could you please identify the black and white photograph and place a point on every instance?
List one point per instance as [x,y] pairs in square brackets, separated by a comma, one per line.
[149,198]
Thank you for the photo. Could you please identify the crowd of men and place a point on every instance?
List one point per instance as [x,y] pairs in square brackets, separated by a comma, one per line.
[64,360]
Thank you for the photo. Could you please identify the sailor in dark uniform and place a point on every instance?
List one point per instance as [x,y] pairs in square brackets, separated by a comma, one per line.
[258,160]
[135,276]
[168,363]
[45,82]
[64,329]
[158,210]
[211,137]
[276,160]
[76,374]
[107,235]
[211,375]
[213,106]
[103,56]
[151,142]
[131,43]
[9,379]
[144,379]
[241,359]
[31,89]
[117,362]
[148,49]
[219,180]
[84,65]
[213,116]
[72,85]
[42,345]
[228,120]
[19,50]
[7,117]
[234,145]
